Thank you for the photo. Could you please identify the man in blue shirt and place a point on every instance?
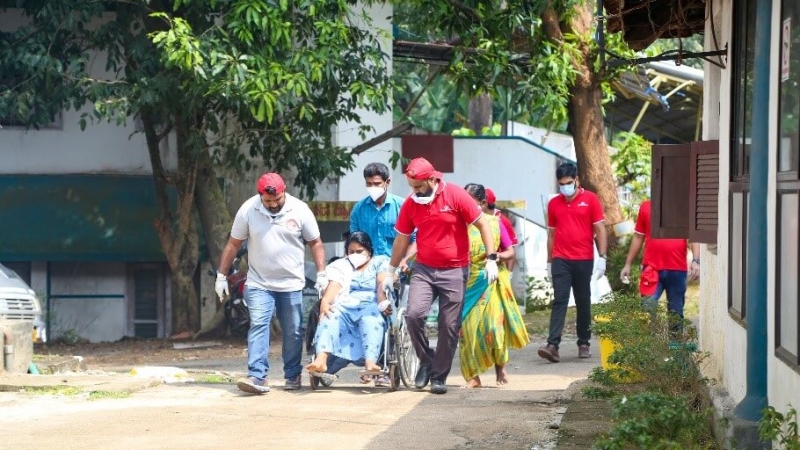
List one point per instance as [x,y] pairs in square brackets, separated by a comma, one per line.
[377,214]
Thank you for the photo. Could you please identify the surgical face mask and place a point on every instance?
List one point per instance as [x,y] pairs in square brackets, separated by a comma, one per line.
[567,190]
[425,199]
[376,192]
[358,259]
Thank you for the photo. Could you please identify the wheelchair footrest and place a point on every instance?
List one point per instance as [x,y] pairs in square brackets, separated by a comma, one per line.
[325,376]
[372,372]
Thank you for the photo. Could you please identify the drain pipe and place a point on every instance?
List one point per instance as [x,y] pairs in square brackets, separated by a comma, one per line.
[8,350]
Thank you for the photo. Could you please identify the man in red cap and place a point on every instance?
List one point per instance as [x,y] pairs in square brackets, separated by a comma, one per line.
[491,208]
[664,266]
[440,212]
[277,226]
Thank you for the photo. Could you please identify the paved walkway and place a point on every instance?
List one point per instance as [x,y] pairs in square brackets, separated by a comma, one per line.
[523,415]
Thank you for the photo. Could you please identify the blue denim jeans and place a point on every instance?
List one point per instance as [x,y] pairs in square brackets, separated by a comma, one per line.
[262,305]
[674,282]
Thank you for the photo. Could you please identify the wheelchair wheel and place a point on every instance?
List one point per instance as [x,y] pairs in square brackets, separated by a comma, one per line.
[314,382]
[325,382]
[407,360]
[394,377]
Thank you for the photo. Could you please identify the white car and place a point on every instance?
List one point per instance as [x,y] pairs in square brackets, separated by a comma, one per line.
[19,302]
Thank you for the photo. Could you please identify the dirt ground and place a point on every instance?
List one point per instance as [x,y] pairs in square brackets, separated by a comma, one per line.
[133,352]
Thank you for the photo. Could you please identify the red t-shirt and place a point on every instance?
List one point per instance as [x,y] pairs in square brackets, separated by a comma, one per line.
[442,238]
[661,254]
[506,223]
[573,222]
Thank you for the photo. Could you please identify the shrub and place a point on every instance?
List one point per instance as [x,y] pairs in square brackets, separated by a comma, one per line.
[539,294]
[616,261]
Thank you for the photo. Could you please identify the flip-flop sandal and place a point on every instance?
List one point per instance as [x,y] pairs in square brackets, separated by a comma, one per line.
[327,377]
[365,379]
[383,381]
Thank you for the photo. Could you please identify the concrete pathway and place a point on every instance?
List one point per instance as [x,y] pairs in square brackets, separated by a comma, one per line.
[522,415]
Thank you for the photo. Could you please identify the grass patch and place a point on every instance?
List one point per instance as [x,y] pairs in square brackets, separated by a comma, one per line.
[100,395]
[53,390]
[214,378]
[538,322]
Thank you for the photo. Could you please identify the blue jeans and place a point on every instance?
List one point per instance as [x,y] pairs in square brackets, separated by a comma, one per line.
[674,282]
[262,305]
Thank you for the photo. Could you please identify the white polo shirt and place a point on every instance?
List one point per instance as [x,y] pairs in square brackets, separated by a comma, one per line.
[275,247]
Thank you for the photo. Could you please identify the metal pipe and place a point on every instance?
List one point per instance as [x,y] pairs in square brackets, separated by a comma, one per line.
[755,400]
[8,350]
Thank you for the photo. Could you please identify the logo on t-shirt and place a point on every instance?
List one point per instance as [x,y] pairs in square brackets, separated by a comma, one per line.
[292,225]
[446,208]
[583,204]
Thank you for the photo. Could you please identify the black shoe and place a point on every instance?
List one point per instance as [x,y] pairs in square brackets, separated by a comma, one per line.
[438,387]
[423,377]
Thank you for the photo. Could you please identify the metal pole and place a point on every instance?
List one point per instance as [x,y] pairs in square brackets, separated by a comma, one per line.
[751,407]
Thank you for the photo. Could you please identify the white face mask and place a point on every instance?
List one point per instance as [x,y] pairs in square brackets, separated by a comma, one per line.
[425,200]
[358,259]
[376,192]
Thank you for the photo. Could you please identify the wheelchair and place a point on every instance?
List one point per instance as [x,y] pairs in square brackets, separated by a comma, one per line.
[398,359]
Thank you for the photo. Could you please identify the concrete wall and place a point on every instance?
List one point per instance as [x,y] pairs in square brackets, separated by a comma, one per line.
[720,335]
[559,143]
[101,148]
[92,318]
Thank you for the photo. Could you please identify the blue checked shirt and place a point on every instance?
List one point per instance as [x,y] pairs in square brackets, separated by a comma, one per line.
[378,223]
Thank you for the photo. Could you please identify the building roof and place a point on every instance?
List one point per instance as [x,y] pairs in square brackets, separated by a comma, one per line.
[642,22]
[660,101]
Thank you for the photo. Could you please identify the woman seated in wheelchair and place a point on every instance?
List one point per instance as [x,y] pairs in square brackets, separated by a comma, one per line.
[352,310]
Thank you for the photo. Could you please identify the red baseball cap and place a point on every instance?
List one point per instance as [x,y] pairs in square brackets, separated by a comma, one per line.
[490,197]
[648,281]
[270,181]
[421,169]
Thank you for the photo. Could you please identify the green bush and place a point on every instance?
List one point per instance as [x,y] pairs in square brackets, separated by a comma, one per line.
[780,429]
[539,294]
[655,381]
[615,263]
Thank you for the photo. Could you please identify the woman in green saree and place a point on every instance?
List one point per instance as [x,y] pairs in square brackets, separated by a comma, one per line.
[491,321]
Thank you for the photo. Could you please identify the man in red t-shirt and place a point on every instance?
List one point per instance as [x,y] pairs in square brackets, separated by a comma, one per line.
[574,218]
[491,206]
[440,213]
[666,260]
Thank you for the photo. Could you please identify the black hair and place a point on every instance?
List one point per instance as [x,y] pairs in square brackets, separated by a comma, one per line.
[373,169]
[567,170]
[491,206]
[359,237]
[477,191]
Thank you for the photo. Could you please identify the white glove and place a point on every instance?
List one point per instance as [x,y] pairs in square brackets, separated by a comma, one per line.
[491,271]
[383,305]
[322,282]
[221,286]
[599,268]
[550,272]
[388,282]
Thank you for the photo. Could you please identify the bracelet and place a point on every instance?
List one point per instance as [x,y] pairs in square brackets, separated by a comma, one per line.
[696,260]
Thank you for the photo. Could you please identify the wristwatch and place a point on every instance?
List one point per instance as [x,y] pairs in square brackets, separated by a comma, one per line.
[602,256]
[493,257]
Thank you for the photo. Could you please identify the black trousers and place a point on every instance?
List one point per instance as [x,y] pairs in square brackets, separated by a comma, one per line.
[575,275]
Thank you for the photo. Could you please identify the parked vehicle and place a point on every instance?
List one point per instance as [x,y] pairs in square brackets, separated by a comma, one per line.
[19,302]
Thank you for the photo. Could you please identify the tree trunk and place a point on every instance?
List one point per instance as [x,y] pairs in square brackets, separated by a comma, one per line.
[177,230]
[480,113]
[215,217]
[586,115]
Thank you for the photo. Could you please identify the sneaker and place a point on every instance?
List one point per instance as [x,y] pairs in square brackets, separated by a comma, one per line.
[583,352]
[293,384]
[252,385]
[383,381]
[550,353]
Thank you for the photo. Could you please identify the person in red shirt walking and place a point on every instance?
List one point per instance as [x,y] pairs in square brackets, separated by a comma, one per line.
[574,221]
[664,266]
[440,212]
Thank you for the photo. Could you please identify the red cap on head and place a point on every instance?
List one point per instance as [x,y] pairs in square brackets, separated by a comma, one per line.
[421,169]
[648,281]
[270,180]
[490,197]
